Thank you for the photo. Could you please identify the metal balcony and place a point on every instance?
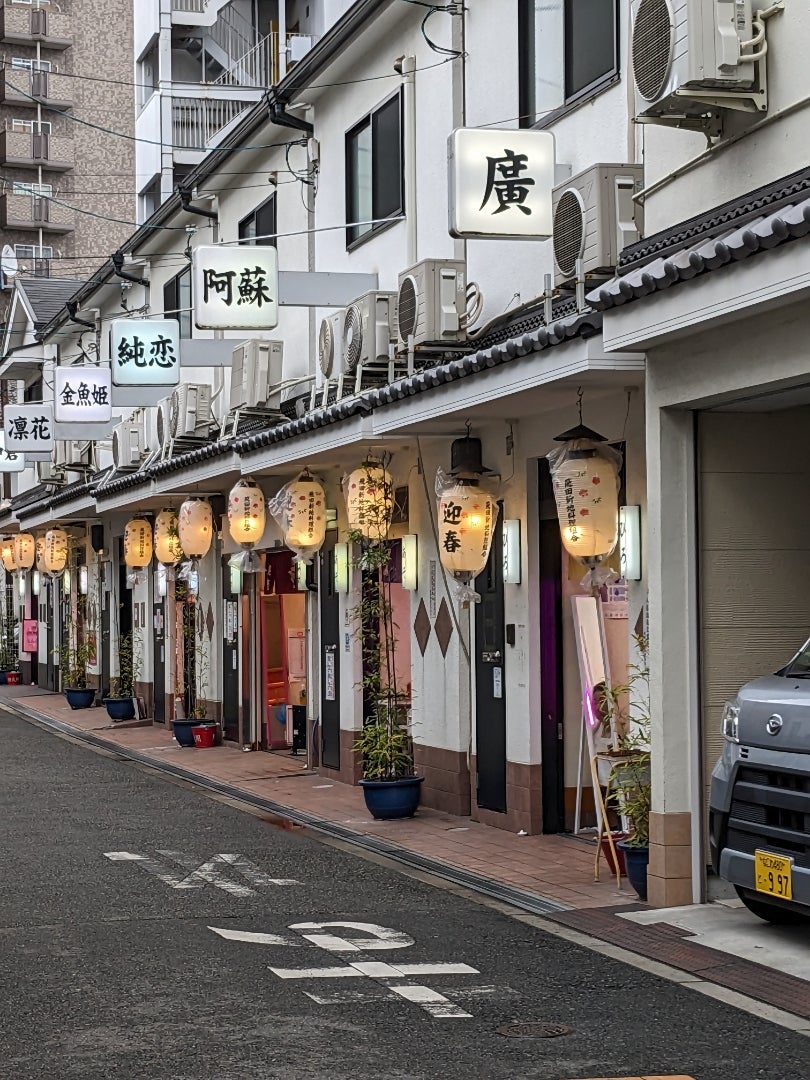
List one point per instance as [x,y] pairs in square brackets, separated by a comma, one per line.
[48,86]
[27,24]
[29,212]
[55,153]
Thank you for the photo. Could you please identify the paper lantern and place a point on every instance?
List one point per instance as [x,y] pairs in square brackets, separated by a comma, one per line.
[137,543]
[246,513]
[585,476]
[7,556]
[467,518]
[300,510]
[195,524]
[167,540]
[56,551]
[370,500]
[24,550]
[40,555]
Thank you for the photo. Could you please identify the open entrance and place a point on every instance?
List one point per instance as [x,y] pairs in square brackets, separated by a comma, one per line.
[283,656]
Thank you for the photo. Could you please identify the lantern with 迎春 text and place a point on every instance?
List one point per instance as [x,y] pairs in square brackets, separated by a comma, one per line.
[468,514]
[369,492]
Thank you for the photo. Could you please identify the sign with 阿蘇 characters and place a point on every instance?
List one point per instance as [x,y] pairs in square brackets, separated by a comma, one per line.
[235,288]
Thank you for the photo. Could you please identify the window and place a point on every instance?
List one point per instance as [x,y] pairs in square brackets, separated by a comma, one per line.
[23,63]
[260,226]
[18,187]
[149,200]
[569,51]
[32,127]
[39,256]
[147,75]
[177,301]
[374,181]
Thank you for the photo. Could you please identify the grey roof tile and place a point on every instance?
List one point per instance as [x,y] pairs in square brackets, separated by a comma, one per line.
[47,296]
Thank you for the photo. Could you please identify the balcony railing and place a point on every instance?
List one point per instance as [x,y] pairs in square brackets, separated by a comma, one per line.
[22,87]
[22,148]
[197,122]
[190,5]
[33,212]
[24,24]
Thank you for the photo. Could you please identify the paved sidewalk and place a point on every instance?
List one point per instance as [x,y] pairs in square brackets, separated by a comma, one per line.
[556,870]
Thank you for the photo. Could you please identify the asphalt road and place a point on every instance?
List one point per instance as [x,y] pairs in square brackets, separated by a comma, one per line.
[109,969]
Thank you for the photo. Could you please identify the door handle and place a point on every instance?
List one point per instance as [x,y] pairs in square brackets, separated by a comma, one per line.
[491,657]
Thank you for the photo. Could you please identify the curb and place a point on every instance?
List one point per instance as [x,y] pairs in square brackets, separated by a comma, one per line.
[533,903]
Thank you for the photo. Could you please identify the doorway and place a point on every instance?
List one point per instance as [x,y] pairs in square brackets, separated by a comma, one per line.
[284,656]
[330,656]
[230,650]
[490,686]
[552,706]
[159,642]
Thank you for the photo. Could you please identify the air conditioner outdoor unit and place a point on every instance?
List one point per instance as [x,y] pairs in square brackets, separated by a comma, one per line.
[688,54]
[330,345]
[432,302]
[163,422]
[191,410]
[594,217]
[369,329]
[48,473]
[256,373]
[127,444]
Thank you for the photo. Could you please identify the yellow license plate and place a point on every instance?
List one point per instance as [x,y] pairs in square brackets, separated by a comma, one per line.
[773,874]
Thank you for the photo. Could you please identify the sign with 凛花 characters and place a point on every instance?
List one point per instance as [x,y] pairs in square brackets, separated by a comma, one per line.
[500,183]
[145,352]
[82,395]
[235,288]
[28,428]
[10,461]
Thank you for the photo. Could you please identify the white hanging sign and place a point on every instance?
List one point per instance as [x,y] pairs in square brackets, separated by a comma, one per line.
[28,428]
[500,183]
[145,352]
[82,395]
[10,461]
[235,288]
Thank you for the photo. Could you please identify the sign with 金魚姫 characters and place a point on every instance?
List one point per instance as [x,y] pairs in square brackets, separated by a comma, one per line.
[28,428]
[82,395]
[145,352]
[235,288]
[500,183]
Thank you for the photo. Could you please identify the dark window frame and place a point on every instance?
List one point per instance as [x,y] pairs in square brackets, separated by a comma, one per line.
[354,238]
[570,101]
[172,303]
[253,217]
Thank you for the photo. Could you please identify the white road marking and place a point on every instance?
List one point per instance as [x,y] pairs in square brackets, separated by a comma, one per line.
[152,866]
[432,1001]
[318,973]
[252,873]
[382,937]
[255,939]
[207,873]
[437,969]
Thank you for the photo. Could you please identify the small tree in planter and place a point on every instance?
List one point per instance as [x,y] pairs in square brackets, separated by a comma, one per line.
[121,701]
[74,656]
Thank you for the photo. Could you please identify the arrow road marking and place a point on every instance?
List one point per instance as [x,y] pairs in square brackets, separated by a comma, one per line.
[255,939]
[152,866]
[207,873]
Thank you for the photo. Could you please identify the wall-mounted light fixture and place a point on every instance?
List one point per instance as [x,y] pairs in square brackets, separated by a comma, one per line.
[630,542]
[161,578]
[511,551]
[410,562]
[341,568]
[301,576]
[236,579]
[35,582]
[66,582]
[83,580]
[21,586]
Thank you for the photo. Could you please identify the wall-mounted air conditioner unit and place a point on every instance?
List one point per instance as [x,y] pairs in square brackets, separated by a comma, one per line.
[127,444]
[688,54]
[594,217]
[191,410]
[48,473]
[330,345]
[432,303]
[256,374]
[369,329]
[163,423]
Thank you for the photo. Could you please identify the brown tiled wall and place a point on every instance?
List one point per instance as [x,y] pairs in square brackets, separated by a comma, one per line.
[447,779]
[524,806]
[349,771]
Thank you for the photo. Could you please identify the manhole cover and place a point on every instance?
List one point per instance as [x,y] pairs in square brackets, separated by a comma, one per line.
[539,1030]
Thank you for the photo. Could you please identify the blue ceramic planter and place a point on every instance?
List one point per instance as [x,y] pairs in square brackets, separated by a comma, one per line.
[390,799]
[80,697]
[120,708]
[636,859]
[2,678]
[183,733]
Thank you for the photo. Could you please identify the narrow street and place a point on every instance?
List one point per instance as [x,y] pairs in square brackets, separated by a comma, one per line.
[149,931]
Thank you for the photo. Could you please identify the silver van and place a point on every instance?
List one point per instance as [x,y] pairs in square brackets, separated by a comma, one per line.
[759,808]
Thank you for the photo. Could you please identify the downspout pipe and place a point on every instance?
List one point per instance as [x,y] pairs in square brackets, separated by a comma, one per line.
[277,111]
[72,307]
[118,263]
[185,203]
[405,66]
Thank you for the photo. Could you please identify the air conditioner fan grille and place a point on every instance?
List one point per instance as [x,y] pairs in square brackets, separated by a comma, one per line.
[407,308]
[352,337]
[569,232]
[326,347]
[652,47]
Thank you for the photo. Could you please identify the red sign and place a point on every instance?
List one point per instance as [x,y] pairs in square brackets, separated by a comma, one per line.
[30,636]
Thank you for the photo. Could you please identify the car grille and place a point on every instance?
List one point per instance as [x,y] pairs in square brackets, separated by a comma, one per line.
[770,808]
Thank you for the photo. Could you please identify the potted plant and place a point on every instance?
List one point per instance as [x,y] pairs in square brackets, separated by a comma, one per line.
[630,786]
[193,693]
[390,787]
[74,656]
[120,703]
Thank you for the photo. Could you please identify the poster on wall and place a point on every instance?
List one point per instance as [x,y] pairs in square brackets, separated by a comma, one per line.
[30,636]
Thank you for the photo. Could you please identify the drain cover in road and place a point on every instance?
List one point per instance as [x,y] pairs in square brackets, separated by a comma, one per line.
[538,1030]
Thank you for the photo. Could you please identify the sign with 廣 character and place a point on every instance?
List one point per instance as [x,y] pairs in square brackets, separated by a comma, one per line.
[235,288]
[28,428]
[145,352]
[500,183]
[82,395]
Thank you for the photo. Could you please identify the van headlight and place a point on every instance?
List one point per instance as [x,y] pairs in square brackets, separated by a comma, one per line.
[731,722]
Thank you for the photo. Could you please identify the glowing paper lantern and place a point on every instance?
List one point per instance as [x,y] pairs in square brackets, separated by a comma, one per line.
[467,518]
[56,551]
[246,513]
[300,510]
[167,540]
[585,476]
[137,543]
[24,550]
[7,556]
[195,524]
[369,494]
[40,555]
